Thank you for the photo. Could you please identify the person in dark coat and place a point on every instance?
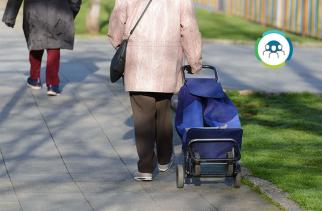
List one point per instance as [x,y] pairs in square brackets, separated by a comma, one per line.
[48,25]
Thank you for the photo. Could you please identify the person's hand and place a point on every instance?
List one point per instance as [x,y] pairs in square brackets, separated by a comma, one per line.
[10,25]
[188,69]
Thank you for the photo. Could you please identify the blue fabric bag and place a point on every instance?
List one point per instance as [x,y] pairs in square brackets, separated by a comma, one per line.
[203,103]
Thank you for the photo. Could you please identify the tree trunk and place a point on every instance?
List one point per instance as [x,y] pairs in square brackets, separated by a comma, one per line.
[93,16]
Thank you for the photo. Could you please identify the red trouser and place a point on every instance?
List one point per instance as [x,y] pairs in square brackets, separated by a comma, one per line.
[52,69]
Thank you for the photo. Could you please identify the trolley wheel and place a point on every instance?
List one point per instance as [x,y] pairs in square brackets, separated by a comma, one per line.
[180,176]
[197,170]
[230,170]
[230,165]
[231,154]
[237,182]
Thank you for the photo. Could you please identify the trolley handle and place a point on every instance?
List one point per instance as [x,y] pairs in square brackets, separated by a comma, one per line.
[187,68]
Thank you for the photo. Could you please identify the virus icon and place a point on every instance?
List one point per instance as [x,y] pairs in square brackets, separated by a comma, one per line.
[273,47]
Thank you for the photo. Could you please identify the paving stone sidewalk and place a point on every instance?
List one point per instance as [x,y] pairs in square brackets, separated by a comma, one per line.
[76,151]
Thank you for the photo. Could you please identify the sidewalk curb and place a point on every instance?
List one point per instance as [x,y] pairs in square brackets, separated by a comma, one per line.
[276,195]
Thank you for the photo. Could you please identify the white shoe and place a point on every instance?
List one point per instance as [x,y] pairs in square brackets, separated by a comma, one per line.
[34,84]
[166,167]
[53,90]
[138,176]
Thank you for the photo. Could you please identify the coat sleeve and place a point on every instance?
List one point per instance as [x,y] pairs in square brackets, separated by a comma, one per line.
[75,6]
[190,35]
[117,21]
[11,12]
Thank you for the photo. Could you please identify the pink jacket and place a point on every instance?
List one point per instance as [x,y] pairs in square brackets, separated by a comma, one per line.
[156,49]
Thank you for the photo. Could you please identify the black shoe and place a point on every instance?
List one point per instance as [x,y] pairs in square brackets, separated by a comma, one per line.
[33,84]
[53,90]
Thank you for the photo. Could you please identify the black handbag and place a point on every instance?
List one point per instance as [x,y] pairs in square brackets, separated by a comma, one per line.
[118,61]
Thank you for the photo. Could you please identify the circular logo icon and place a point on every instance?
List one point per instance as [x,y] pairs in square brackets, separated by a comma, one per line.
[274,49]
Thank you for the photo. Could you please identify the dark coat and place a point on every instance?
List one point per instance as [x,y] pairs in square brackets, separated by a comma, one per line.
[47,24]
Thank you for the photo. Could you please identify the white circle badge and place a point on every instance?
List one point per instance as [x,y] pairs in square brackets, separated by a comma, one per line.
[274,49]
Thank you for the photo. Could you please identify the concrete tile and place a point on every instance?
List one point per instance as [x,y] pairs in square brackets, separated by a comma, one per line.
[25,115]
[54,202]
[181,200]
[122,201]
[25,145]
[68,124]
[40,178]
[73,138]
[9,206]
[100,164]
[53,187]
[99,187]
[6,191]
[36,169]
[22,127]
[226,198]
[3,173]
[111,176]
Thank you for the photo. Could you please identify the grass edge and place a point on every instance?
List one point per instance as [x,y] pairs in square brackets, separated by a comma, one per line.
[262,194]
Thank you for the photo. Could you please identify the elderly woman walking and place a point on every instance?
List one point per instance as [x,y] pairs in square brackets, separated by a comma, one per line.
[155,52]
[48,25]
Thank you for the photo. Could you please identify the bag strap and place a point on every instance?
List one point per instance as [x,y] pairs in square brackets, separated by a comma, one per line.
[147,6]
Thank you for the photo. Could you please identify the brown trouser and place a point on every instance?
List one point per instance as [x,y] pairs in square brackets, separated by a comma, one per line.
[152,124]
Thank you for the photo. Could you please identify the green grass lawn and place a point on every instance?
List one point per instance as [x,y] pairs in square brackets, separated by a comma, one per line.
[106,9]
[283,142]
